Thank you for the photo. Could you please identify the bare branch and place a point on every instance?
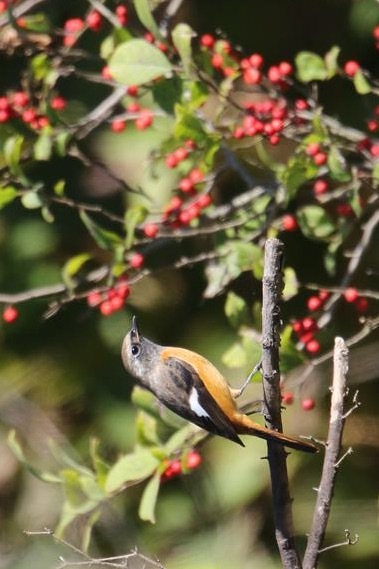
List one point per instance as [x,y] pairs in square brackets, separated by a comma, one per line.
[348,541]
[282,503]
[117,561]
[332,452]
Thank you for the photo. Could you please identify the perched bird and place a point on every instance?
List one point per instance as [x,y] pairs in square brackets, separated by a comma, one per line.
[190,386]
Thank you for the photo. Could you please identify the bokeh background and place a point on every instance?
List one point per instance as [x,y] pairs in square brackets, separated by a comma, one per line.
[62,379]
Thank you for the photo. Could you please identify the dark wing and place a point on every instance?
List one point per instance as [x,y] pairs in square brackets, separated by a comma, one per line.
[192,395]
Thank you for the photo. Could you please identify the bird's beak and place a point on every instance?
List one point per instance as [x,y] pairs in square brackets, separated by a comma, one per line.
[134,332]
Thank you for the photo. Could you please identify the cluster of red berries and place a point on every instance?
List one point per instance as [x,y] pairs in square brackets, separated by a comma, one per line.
[176,467]
[144,118]
[173,159]
[315,152]
[307,404]
[10,314]
[110,301]
[18,105]
[352,296]
[222,57]
[159,44]
[306,328]
[94,20]
[264,117]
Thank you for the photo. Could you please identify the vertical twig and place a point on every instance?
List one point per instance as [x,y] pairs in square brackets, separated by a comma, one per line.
[272,289]
[332,452]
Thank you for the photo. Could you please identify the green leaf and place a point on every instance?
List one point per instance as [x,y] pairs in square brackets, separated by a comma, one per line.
[31,200]
[43,147]
[145,400]
[167,93]
[72,267]
[310,67]
[362,86]
[137,62]
[236,310]
[59,188]
[178,440]
[235,356]
[338,166]
[375,172]
[15,447]
[188,125]
[12,154]
[7,195]
[134,216]
[87,528]
[315,223]
[41,66]
[61,142]
[104,238]
[331,60]
[182,36]
[291,284]
[144,13]
[149,499]
[290,356]
[130,468]
[297,171]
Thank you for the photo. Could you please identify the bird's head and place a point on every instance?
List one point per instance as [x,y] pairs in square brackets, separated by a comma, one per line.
[139,355]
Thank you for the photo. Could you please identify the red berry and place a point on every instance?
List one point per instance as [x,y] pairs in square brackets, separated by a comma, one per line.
[5,115]
[274,74]
[351,294]
[239,132]
[289,222]
[297,326]
[204,201]
[256,60]
[320,158]
[351,68]
[181,154]
[217,60]
[106,73]
[137,260]
[372,125]
[374,150]
[361,305]
[122,14]
[117,302]
[94,298]
[194,459]
[375,32]
[106,308]
[301,104]
[151,230]
[10,314]
[308,404]
[144,120]
[323,295]
[118,125]
[20,99]
[186,185]
[312,149]
[314,303]
[274,139]
[171,161]
[190,144]
[252,76]
[29,115]
[123,290]
[58,103]
[72,28]
[196,175]
[207,41]
[94,20]
[313,346]
[285,68]
[320,187]
[132,90]
[309,324]
[287,398]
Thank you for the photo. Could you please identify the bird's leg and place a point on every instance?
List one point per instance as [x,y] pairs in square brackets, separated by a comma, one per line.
[238,392]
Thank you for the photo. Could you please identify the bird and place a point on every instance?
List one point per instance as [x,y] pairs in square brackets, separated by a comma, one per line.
[192,387]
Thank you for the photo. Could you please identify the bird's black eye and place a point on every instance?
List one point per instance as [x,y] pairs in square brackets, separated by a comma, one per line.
[135,350]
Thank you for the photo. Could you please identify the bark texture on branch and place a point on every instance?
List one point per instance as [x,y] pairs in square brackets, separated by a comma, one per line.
[332,453]
[282,503]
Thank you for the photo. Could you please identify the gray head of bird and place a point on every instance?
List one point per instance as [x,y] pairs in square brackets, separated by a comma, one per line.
[139,355]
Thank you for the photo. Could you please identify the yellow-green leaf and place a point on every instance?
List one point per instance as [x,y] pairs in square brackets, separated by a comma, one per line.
[130,468]
[149,499]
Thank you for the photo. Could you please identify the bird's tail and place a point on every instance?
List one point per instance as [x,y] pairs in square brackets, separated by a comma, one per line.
[248,427]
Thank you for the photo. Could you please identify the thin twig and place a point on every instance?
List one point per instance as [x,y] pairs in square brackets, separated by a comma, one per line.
[348,541]
[332,453]
[272,289]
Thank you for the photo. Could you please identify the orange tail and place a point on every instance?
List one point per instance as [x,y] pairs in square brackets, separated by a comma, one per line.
[246,426]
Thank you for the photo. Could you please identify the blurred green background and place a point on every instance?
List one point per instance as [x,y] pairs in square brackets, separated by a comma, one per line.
[62,378]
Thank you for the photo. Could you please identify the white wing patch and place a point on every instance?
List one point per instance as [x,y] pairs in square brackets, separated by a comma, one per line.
[195,405]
